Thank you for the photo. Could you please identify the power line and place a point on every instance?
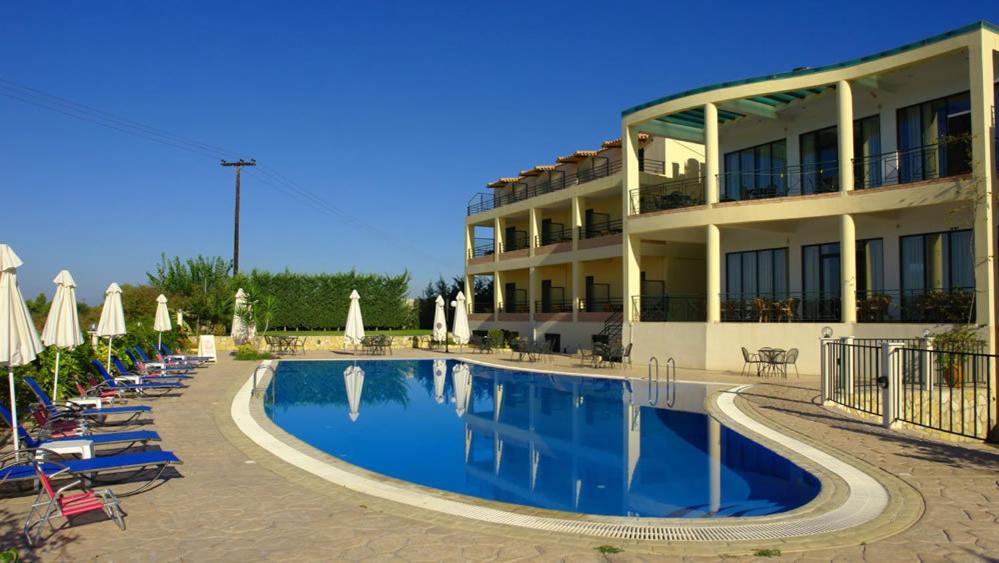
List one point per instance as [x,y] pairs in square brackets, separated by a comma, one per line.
[274,179]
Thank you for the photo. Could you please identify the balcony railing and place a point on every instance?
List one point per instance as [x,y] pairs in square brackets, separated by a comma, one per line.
[483,247]
[673,194]
[517,242]
[950,157]
[553,237]
[483,306]
[603,305]
[486,201]
[953,305]
[820,177]
[781,307]
[601,229]
[669,308]
[553,306]
[515,307]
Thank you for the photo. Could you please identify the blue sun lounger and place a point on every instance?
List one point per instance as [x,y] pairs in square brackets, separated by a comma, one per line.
[167,353]
[19,468]
[69,410]
[156,366]
[115,438]
[146,378]
[140,388]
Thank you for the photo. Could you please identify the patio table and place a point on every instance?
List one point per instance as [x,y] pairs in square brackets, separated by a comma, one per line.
[770,359]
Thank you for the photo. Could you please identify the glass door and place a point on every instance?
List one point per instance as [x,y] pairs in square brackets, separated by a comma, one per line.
[820,282]
[819,161]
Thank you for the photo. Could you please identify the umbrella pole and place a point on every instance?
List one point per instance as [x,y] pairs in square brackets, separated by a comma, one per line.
[55,384]
[13,409]
[108,365]
[160,343]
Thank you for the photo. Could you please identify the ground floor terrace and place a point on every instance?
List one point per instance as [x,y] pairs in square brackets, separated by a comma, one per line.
[233,500]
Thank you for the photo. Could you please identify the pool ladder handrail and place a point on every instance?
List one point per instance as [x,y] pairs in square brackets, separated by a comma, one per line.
[670,381]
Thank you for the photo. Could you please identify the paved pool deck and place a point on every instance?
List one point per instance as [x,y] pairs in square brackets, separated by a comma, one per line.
[234,501]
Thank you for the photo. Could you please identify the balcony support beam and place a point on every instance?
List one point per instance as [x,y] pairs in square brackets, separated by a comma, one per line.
[848,267]
[713,259]
[532,228]
[497,294]
[577,288]
[980,65]
[631,246]
[497,238]
[844,130]
[469,293]
[532,293]
[576,220]
[711,162]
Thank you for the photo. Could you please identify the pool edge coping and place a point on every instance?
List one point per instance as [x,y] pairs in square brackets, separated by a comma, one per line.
[795,529]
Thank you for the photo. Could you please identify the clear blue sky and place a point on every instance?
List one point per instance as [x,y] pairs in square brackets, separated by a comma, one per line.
[397,112]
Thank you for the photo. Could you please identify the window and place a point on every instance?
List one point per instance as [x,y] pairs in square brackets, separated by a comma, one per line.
[937,261]
[756,273]
[934,138]
[867,171]
[756,172]
[820,282]
[819,161]
[870,266]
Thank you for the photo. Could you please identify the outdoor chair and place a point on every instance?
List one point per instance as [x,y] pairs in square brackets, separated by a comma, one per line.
[20,466]
[150,368]
[168,354]
[124,440]
[585,356]
[169,364]
[600,354]
[71,410]
[626,356]
[51,503]
[790,359]
[144,389]
[749,360]
[140,377]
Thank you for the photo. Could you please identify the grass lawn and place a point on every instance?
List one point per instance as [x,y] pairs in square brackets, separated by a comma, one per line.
[408,332]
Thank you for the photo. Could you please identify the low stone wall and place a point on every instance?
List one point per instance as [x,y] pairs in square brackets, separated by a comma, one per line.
[312,343]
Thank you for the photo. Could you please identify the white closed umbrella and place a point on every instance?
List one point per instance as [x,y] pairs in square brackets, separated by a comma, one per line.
[440,375]
[19,342]
[440,321]
[112,321]
[62,327]
[161,323]
[461,331]
[241,331]
[353,380]
[354,331]
[461,378]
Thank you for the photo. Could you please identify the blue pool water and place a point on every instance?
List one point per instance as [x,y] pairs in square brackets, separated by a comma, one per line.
[596,446]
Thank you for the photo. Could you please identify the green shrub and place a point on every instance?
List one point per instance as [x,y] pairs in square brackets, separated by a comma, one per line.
[247,352]
[497,337]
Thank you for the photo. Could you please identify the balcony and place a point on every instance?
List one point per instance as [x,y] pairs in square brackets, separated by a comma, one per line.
[482,250]
[519,241]
[807,307]
[669,308]
[949,157]
[953,305]
[601,229]
[817,178]
[483,202]
[674,194]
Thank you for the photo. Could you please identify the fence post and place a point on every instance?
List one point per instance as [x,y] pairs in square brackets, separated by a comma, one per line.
[890,381]
[928,371]
[846,361]
[825,358]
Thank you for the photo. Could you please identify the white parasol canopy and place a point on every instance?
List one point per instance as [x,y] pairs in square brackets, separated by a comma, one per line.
[354,332]
[241,332]
[440,375]
[62,327]
[19,342]
[353,380]
[461,378]
[461,331]
[440,322]
[162,322]
[112,321]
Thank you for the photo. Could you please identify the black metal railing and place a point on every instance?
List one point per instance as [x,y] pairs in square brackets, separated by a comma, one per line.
[945,390]
[518,241]
[854,370]
[601,229]
[949,157]
[781,307]
[674,194]
[554,236]
[553,306]
[669,308]
[515,307]
[483,306]
[954,305]
[483,247]
[482,202]
[603,305]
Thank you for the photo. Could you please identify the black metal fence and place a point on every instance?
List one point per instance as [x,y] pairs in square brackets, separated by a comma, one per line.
[951,305]
[553,306]
[784,306]
[854,370]
[603,305]
[673,194]
[948,157]
[601,229]
[669,308]
[483,247]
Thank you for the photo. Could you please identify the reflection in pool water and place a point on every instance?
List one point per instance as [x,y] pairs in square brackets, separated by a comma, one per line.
[597,446]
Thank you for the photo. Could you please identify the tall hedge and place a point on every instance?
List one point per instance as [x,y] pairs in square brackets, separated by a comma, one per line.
[320,301]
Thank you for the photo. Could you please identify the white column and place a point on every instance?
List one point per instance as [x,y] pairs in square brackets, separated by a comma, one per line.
[844,129]
[711,162]
[532,294]
[469,293]
[497,294]
[576,220]
[469,241]
[632,285]
[848,267]
[497,238]
[632,248]
[532,229]
[980,65]
[577,288]
[713,259]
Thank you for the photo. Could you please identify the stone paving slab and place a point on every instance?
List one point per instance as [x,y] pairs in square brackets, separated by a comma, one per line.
[234,501]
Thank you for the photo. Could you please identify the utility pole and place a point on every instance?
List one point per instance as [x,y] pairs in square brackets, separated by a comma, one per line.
[235,238]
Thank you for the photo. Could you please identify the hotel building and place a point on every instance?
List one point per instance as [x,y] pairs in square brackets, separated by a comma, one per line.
[752,213]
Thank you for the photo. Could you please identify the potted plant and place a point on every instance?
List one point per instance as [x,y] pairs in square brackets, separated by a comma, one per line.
[953,344]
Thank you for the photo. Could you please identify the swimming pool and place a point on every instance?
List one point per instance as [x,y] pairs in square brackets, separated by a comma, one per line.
[590,445]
